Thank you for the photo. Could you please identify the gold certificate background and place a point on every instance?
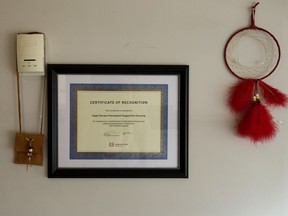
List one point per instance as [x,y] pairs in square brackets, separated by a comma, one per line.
[98,132]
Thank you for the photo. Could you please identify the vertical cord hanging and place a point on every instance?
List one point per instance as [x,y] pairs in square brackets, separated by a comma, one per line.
[42,102]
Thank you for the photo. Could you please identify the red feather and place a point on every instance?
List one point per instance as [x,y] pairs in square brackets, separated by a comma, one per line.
[240,95]
[257,124]
[272,95]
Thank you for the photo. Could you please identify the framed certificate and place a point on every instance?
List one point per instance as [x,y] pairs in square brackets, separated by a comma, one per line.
[118,121]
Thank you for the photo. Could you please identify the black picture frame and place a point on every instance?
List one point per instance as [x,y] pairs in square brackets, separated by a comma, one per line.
[143,75]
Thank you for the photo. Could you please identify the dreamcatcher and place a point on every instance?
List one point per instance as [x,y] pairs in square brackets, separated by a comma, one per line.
[250,97]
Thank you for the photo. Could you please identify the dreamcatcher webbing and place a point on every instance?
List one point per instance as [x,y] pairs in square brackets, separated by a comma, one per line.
[264,68]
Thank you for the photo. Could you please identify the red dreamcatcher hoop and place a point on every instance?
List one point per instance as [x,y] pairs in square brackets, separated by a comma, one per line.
[251,96]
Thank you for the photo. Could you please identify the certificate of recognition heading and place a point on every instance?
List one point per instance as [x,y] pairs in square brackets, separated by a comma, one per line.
[122,121]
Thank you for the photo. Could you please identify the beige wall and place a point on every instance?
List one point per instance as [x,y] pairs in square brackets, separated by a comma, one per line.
[228,175]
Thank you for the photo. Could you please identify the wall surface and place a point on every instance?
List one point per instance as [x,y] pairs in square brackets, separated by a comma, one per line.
[227,175]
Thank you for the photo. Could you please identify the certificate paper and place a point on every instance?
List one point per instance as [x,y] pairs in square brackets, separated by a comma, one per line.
[118,121]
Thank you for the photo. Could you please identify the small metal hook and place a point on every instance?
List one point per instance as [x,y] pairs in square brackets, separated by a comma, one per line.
[253,8]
